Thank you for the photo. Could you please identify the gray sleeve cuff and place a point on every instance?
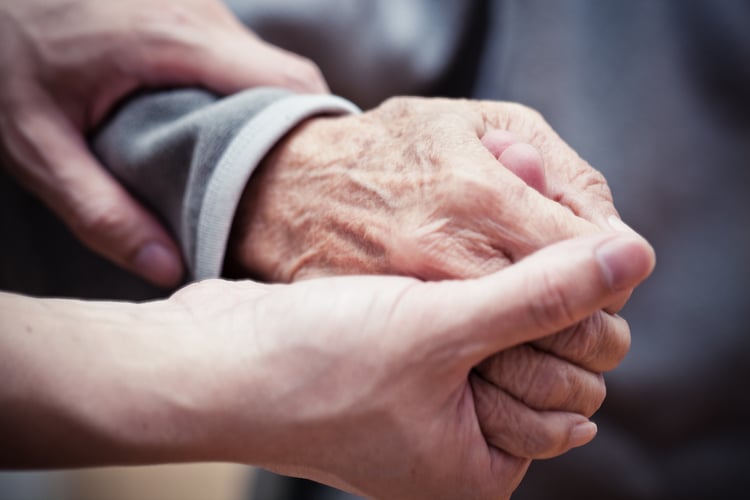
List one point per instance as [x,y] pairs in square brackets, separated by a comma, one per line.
[233,169]
[187,154]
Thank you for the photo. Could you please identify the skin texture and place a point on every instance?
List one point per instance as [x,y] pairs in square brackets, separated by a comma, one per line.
[66,63]
[437,189]
[369,386]
[414,187]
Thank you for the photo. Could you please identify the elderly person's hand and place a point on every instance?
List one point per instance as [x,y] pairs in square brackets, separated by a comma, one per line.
[65,63]
[415,187]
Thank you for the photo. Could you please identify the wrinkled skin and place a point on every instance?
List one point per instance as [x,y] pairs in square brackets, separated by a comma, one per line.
[66,63]
[371,383]
[414,188]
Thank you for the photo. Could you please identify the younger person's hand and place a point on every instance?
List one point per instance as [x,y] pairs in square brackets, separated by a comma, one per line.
[65,63]
[371,380]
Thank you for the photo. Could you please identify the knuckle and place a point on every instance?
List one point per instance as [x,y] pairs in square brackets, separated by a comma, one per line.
[543,440]
[561,386]
[593,182]
[461,189]
[522,115]
[620,342]
[597,343]
[600,342]
[529,113]
[554,385]
[576,390]
[310,69]
[582,342]
[398,106]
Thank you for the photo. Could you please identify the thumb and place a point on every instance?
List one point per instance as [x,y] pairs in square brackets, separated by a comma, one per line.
[51,159]
[542,294]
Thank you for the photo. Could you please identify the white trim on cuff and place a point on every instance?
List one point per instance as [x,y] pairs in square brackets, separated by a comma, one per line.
[246,150]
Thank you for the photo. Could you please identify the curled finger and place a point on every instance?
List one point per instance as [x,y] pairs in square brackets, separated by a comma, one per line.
[598,343]
[544,382]
[510,425]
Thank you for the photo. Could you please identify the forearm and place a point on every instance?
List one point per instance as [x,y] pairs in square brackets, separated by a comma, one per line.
[98,383]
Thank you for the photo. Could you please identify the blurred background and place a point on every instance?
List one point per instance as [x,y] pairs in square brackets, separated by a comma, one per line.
[163,482]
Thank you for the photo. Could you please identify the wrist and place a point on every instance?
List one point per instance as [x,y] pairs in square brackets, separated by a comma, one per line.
[99,383]
[194,393]
[312,209]
[160,383]
[259,243]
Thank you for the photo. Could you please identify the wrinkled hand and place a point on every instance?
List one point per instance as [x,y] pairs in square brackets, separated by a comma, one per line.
[367,383]
[65,63]
[417,187]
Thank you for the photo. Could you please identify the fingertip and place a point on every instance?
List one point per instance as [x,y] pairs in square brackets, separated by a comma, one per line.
[525,161]
[582,433]
[497,141]
[625,261]
[159,264]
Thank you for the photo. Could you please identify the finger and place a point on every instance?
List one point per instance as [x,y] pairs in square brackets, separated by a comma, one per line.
[238,60]
[497,141]
[597,343]
[544,382]
[53,161]
[570,179]
[508,424]
[514,219]
[521,158]
[577,185]
[525,161]
[617,224]
[229,60]
[544,293]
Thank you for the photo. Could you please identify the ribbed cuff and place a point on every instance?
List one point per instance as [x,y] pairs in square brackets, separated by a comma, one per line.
[243,154]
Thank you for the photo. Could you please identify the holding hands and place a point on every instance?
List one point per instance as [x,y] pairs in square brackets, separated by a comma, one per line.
[371,383]
[392,387]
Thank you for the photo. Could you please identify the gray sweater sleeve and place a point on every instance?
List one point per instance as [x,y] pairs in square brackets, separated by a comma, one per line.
[188,155]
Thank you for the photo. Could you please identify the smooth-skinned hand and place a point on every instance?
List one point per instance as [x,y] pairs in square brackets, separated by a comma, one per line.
[65,64]
[379,385]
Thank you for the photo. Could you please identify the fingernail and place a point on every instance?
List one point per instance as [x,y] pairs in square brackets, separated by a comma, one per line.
[582,433]
[617,224]
[622,261]
[158,264]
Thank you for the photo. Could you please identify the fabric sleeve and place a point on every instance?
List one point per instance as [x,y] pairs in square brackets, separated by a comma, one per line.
[188,154]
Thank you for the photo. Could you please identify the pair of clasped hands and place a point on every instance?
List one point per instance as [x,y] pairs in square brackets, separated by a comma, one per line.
[484,264]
